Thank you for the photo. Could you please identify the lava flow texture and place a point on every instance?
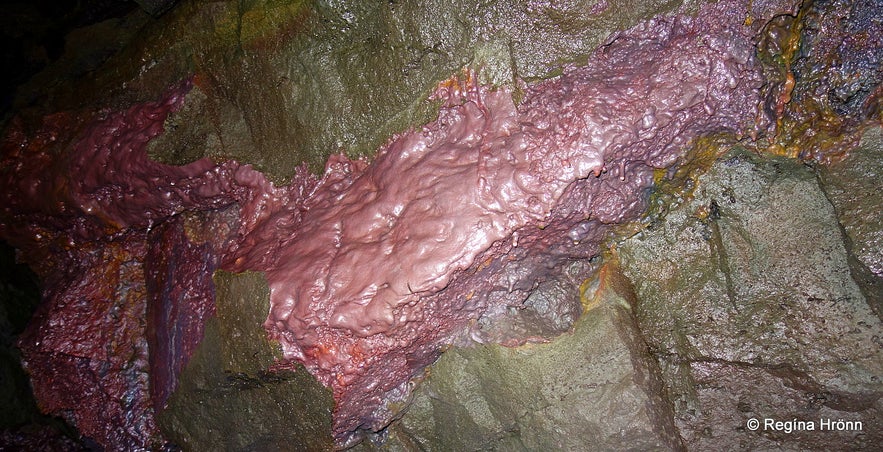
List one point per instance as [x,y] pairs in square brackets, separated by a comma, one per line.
[375,266]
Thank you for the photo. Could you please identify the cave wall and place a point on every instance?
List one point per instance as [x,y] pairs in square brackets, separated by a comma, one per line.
[723,266]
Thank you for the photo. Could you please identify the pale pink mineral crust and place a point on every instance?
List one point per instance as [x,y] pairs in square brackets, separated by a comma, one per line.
[375,267]
[390,260]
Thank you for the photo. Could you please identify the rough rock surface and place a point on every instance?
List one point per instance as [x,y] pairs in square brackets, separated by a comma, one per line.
[769,321]
[227,384]
[477,226]
[826,64]
[764,327]
[854,186]
[101,262]
[594,388]
[22,426]
[85,351]
[488,196]
[280,83]
[447,213]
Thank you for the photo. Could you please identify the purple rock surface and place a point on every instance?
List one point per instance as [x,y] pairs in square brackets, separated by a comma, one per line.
[391,260]
[376,266]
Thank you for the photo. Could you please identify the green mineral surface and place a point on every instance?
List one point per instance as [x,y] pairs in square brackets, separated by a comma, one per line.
[769,321]
[753,289]
[594,388]
[229,399]
[279,83]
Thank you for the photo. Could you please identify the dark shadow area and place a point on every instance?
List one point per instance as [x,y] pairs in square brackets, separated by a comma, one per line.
[33,32]
[22,426]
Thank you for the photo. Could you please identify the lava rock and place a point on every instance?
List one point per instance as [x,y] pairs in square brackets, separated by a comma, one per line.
[288,82]
[229,398]
[747,301]
[853,186]
[744,307]
[594,388]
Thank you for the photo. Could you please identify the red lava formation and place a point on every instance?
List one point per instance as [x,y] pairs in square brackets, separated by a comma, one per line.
[373,267]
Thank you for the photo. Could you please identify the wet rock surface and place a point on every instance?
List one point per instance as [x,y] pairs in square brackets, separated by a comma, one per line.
[825,67]
[22,425]
[769,321]
[753,291]
[230,399]
[288,82]
[764,326]
[489,196]
[595,387]
[86,352]
[853,186]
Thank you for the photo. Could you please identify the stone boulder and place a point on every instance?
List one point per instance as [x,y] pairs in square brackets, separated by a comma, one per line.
[228,400]
[738,303]
[748,303]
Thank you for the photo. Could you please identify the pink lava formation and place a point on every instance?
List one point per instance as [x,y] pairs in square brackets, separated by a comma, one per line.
[375,266]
